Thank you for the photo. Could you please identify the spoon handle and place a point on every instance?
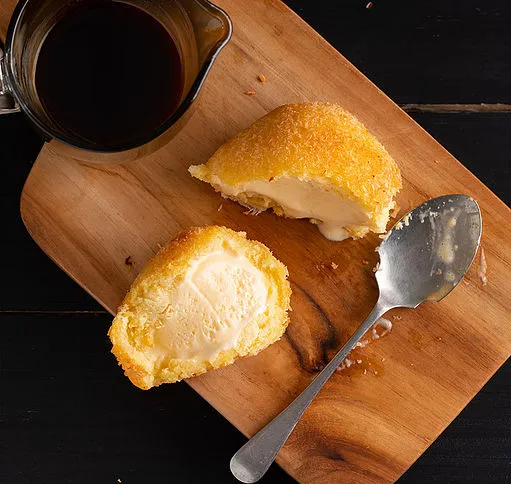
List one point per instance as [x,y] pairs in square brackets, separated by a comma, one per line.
[252,461]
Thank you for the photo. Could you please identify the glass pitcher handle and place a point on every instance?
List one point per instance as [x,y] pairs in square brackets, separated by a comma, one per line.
[7,102]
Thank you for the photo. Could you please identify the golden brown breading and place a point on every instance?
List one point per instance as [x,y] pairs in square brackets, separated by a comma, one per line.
[170,325]
[318,142]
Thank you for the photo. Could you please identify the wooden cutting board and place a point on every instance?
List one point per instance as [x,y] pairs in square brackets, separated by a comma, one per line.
[362,427]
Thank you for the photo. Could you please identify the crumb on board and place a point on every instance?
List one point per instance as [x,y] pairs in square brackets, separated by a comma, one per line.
[129,261]
[381,323]
[334,265]
[159,246]
[252,211]
[395,211]
[369,5]
[365,262]
[348,363]
[376,268]
[483,267]
[250,92]
[219,207]
[397,318]
[379,329]
[261,78]
[118,480]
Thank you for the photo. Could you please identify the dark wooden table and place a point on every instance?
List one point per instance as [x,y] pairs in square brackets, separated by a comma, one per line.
[67,414]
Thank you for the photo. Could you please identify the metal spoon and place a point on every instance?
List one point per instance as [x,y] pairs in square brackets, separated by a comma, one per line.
[423,258]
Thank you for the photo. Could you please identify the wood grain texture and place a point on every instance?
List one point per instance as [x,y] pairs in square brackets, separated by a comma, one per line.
[6,8]
[361,428]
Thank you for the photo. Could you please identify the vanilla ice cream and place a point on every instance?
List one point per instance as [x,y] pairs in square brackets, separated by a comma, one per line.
[335,216]
[220,294]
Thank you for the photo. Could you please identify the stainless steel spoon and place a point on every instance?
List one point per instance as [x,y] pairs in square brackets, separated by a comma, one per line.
[423,258]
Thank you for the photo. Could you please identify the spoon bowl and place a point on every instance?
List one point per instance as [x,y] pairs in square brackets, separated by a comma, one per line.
[428,251]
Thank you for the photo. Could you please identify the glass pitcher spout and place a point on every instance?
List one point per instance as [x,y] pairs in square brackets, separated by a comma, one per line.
[211,29]
[211,25]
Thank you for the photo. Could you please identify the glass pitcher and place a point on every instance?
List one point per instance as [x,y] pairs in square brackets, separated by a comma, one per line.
[199,29]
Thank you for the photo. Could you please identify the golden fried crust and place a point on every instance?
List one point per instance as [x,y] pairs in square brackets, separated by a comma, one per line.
[316,141]
[132,330]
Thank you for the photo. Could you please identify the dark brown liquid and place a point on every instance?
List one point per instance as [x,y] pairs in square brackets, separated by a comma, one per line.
[109,75]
